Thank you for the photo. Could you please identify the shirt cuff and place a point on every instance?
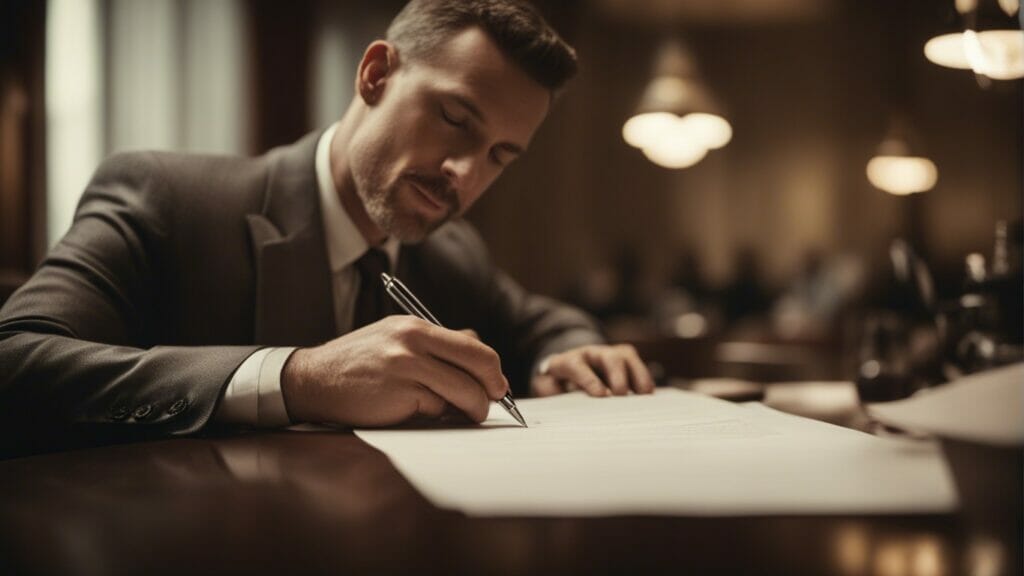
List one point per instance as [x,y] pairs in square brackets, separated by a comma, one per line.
[253,396]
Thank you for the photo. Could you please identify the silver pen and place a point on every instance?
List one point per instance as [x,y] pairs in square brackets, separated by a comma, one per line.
[411,304]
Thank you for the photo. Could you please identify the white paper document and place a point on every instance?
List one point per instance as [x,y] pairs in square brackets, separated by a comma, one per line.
[670,453]
[986,407]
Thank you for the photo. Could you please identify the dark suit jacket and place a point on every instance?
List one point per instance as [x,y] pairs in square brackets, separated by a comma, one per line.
[178,267]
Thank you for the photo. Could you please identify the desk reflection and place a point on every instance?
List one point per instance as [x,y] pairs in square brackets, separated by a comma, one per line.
[255,502]
[325,502]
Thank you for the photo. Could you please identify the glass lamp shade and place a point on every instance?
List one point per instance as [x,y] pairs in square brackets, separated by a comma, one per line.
[647,128]
[947,50]
[710,129]
[675,151]
[998,54]
[992,44]
[677,120]
[674,142]
[902,175]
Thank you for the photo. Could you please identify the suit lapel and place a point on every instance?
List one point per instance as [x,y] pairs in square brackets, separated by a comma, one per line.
[294,304]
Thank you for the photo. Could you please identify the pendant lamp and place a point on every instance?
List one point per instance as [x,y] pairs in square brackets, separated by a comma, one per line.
[677,120]
[898,166]
[991,43]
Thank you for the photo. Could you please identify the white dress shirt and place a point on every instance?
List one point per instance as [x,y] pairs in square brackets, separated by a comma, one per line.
[253,396]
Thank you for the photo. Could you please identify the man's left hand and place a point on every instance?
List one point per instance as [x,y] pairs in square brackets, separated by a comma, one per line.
[597,370]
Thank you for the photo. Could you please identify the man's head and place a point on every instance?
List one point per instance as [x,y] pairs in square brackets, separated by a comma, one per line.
[515,27]
[452,96]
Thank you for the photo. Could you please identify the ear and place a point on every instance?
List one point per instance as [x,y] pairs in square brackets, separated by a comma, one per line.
[379,62]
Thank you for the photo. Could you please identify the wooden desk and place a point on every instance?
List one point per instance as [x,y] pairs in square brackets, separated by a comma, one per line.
[318,502]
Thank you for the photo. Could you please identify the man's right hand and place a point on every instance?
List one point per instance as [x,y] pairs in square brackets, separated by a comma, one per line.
[391,371]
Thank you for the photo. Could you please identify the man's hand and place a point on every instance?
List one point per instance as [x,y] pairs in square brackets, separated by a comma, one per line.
[391,371]
[598,370]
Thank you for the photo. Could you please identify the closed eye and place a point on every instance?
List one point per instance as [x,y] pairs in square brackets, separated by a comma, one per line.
[457,122]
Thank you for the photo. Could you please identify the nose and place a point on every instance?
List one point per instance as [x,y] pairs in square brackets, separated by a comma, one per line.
[460,170]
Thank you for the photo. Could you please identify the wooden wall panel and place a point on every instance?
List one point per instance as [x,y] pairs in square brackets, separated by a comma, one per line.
[22,148]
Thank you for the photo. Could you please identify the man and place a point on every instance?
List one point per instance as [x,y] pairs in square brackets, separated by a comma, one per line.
[193,289]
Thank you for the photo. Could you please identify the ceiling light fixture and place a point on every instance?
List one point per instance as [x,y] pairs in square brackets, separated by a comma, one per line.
[677,121]
[899,169]
[991,44]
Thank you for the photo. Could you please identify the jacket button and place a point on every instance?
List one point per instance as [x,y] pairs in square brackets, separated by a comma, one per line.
[142,411]
[178,407]
[119,413]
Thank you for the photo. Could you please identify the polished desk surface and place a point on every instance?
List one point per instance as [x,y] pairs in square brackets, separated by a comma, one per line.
[326,502]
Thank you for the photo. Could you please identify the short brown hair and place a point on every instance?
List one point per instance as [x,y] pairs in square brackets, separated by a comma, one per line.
[516,28]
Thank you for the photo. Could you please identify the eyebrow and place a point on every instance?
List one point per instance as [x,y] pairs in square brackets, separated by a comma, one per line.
[476,113]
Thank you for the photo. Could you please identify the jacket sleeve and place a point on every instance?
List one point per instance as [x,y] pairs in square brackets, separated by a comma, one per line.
[79,360]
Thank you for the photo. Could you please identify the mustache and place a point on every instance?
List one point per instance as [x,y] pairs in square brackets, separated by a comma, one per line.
[438,186]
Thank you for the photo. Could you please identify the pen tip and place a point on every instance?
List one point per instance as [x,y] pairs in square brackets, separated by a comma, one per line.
[520,418]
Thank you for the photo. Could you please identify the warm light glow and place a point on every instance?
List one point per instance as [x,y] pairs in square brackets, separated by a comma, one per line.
[852,549]
[1009,6]
[986,557]
[891,559]
[646,129]
[714,131]
[947,50]
[926,558]
[690,325]
[997,54]
[676,150]
[965,6]
[667,91]
[902,175]
[674,142]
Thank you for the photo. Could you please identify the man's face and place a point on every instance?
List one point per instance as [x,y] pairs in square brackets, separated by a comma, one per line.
[441,132]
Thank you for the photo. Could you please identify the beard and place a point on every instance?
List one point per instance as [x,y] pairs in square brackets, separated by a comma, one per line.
[392,209]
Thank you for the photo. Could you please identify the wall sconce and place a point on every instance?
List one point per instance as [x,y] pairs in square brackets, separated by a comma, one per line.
[899,169]
[992,43]
[677,121]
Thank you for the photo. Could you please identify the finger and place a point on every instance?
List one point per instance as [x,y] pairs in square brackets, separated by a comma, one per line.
[409,403]
[453,415]
[571,366]
[471,333]
[477,359]
[428,403]
[640,376]
[612,365]
[545,385]
[451,384]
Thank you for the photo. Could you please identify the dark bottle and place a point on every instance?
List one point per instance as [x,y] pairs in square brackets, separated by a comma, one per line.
[987,318]
[882,370]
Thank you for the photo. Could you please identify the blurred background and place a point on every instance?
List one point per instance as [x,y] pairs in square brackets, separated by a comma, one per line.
[804,193]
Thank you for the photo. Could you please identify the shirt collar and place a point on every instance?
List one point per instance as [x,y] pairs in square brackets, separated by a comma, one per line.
[345,244]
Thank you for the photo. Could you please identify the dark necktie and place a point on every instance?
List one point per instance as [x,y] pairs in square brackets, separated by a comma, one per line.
[372,300]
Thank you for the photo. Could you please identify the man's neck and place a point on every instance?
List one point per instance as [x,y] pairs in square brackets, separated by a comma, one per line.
[344,183]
